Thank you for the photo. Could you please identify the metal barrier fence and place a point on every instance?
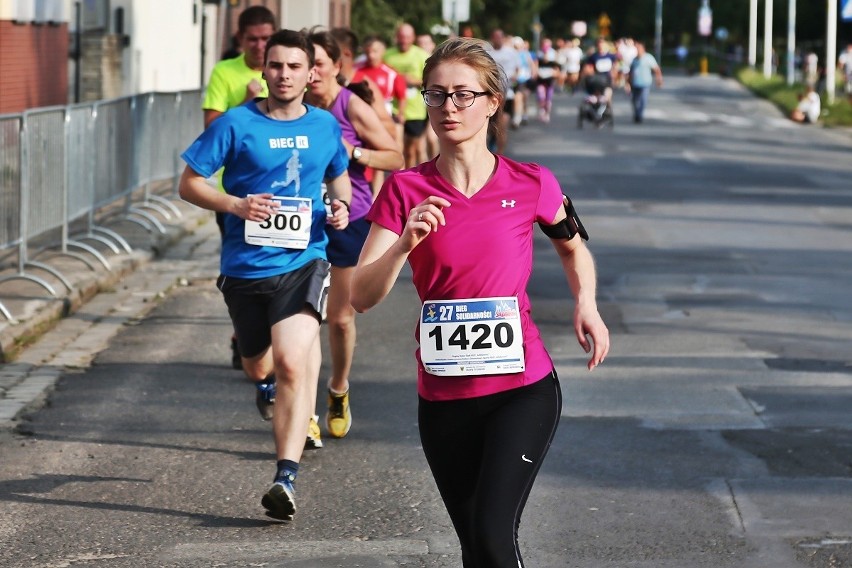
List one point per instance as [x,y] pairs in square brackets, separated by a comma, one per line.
[63,166]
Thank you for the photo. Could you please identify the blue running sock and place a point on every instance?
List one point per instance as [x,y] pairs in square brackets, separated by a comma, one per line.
[267,386]
[287,471]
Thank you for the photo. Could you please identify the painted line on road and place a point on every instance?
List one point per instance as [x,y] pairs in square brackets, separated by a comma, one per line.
[690,157]
[295,549]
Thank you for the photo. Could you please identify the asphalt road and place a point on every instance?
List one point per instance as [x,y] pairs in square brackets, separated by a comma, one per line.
[717,434]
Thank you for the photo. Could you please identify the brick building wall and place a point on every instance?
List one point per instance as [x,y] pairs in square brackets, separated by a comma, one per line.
[33,66]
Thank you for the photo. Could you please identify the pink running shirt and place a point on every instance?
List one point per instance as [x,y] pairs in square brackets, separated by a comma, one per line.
[485,250]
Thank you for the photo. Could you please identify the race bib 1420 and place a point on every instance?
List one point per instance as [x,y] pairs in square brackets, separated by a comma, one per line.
[479,336]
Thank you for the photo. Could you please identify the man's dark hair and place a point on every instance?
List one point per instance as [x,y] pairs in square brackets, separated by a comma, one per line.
[291,38]
[255,16]
[346,38]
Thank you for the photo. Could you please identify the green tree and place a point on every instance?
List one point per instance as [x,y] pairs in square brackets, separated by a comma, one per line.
[374,17]
[515,17]
[381,16]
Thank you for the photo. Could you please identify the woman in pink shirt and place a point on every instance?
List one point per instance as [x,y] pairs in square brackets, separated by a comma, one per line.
[489,399]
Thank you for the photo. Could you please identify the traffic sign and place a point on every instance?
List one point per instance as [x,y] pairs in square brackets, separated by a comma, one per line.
[455,10]
[705,20]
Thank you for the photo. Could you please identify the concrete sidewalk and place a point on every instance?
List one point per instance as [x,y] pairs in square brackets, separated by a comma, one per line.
[50,335]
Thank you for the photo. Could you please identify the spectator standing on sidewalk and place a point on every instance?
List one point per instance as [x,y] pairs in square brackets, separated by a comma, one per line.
[368,145]
[811,71]
[644,71]
[235,81]
[485,424]
[274,274]
[408,60]
[844,63]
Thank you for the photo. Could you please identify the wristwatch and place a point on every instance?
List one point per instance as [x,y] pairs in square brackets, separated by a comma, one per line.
[356,154]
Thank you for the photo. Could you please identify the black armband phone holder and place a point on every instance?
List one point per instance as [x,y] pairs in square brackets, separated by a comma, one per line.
[568,227]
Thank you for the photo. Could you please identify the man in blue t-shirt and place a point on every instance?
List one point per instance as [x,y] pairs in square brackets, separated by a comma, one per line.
[644,71]
[604,63]
[277,152]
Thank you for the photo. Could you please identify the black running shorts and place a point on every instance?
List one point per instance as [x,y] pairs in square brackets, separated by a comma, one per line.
[344,247]
[256,304]
[414,128]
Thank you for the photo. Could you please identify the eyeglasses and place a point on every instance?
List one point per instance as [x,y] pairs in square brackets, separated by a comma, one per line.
[462,99]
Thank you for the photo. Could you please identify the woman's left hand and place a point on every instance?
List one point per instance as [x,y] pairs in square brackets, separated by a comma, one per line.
[588,323]
[339,218]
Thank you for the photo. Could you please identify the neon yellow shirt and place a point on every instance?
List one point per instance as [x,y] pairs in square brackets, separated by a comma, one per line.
[409,62]
[228,81]
[227,88]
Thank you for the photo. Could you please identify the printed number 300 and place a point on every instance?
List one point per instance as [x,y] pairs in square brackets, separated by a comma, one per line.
[503,336]
[282,222]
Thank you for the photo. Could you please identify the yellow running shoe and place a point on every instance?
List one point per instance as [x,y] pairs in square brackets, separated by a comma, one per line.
[338,420]
[314,440]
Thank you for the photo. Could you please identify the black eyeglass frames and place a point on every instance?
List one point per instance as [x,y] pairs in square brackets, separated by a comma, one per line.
[462,99]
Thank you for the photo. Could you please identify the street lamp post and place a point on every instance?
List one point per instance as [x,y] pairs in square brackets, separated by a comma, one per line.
[791,42]
[767,40]
[830,51]
[658,31]
[752,34]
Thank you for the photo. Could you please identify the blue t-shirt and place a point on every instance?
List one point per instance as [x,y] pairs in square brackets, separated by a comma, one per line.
[262,155]
[642,71]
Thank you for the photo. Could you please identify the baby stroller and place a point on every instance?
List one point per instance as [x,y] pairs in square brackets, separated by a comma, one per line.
[596,107]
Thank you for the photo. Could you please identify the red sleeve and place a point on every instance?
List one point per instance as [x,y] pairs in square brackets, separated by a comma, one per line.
[399,87]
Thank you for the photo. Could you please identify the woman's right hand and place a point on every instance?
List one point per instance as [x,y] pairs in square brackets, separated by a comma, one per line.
[423,219]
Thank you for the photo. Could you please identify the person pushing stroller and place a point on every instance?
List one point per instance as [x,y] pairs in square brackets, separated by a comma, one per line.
[596,106]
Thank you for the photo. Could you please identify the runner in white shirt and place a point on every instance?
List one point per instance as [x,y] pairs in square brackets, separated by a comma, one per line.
[506,57]
[573,54]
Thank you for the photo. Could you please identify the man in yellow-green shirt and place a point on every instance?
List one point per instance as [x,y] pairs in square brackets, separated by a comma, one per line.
[238,80]
[409,60]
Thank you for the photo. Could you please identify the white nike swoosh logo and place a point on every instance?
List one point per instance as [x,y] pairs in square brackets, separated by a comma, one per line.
[523,457]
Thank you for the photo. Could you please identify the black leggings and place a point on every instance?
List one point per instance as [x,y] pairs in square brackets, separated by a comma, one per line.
[484,454]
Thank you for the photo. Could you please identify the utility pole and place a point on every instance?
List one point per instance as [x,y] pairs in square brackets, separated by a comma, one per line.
[767,40]
[752,34]
[791,42]
[831,51]
[658,31]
